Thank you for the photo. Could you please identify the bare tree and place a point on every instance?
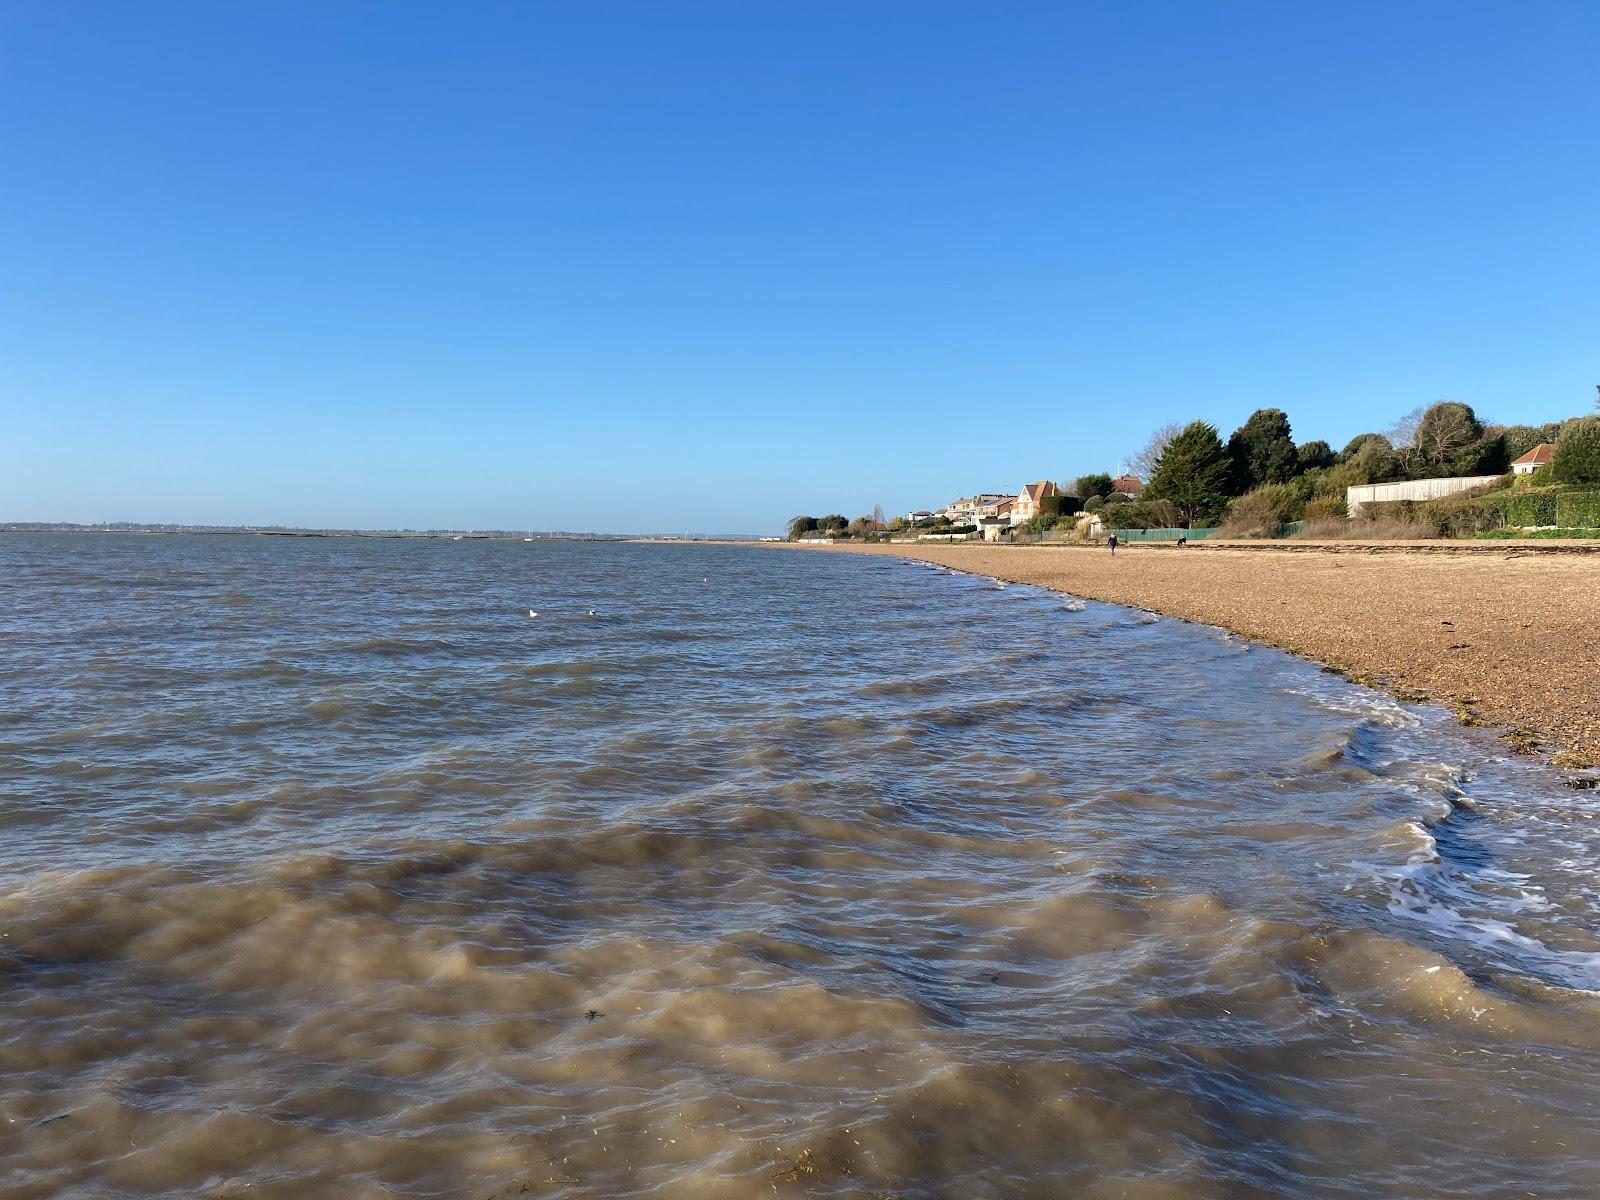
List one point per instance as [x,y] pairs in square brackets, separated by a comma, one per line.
[1403,433]
[877,516]
[1143,464]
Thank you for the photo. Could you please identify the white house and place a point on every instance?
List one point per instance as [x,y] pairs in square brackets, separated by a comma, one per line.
[990,528]
[1027,504]
[966,510]
[1534,459]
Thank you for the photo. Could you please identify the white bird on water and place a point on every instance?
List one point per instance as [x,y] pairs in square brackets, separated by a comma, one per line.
[532,614]
[592,613]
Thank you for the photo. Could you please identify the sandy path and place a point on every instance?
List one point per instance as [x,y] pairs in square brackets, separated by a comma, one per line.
[1507,635]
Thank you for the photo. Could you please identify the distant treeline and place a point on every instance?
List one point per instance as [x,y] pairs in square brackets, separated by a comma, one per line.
[1260,476]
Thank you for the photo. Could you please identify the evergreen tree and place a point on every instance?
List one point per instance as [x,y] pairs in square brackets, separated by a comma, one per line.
[1314,456]
[1520,439]
[1192,473]
[1262,451]
[1354,445]
[1372,458]
[1086,486]
[1577,457]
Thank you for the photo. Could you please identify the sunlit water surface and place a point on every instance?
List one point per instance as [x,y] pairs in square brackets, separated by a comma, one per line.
[326,871]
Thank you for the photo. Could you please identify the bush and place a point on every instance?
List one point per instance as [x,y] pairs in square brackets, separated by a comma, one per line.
[1094,504]
[1453,516]
[1059,506]
[1143,514]
[1577,458]
[1326,508]
[1259,512]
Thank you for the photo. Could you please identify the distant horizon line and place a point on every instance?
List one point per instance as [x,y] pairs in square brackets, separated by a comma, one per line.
[265,530]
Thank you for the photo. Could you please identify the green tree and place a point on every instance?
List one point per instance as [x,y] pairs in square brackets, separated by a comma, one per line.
[1314,456]
[1371,458]
[1353,446]
[1450,440]
[1577,457]
[1193,473]
[1522,438]
[1086,486]
[800,526]
[1262,450]
[832,523]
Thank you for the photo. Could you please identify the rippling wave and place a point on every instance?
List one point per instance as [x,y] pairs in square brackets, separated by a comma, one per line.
[328,872]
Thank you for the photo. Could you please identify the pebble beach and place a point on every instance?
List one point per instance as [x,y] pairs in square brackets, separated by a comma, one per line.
[1505,633]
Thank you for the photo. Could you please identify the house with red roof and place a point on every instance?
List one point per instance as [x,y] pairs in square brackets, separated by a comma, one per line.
[1534,459]
[1027,505]
[1127,485]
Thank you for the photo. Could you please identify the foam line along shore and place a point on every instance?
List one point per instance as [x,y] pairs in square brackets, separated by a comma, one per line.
[1506,638]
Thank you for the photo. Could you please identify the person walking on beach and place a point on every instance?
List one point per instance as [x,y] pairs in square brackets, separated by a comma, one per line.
[1112,542]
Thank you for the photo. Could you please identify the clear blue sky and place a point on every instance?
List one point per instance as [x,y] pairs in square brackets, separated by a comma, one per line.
[687,266]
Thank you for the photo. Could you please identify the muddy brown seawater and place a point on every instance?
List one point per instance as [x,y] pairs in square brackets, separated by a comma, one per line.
[325,871]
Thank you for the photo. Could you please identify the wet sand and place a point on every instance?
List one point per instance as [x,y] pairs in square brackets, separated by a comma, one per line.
[1505,633]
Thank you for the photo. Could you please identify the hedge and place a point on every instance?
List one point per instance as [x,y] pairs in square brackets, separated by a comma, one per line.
[1455,517]
[1571,510]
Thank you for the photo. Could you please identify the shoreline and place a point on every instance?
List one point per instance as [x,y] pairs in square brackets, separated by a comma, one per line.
[1503,637]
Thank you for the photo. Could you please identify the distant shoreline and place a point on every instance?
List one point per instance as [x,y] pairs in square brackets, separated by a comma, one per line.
[1504,635]
[461,535]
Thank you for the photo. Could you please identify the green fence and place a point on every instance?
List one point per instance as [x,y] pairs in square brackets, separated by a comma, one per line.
[1193,535]
[1161,535]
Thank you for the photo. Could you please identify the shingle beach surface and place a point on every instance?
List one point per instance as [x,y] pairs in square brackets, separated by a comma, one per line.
[1506,633]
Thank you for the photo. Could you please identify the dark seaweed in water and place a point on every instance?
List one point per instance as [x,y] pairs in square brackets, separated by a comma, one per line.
[326,872]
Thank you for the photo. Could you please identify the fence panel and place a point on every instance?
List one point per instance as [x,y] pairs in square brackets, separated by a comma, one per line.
[1161,535]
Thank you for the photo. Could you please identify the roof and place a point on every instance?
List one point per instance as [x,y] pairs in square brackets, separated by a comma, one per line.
[1538,456]
[1038,491]
[1127,483]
